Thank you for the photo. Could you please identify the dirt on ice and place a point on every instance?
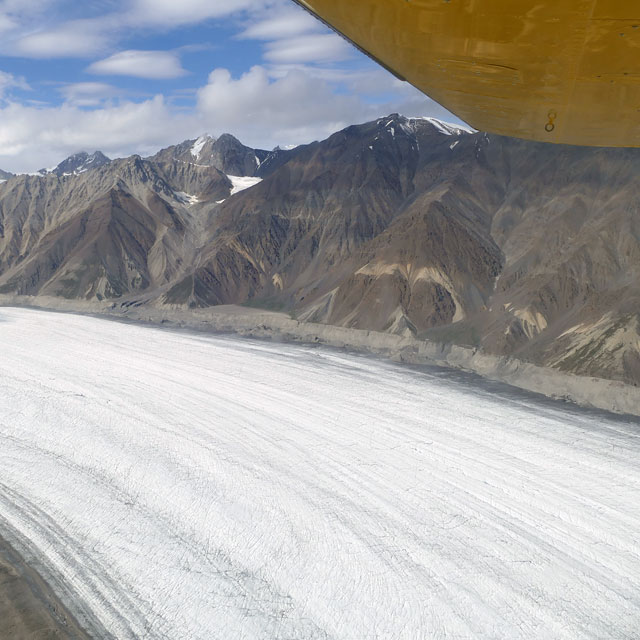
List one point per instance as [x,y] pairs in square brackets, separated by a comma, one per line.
[29,610]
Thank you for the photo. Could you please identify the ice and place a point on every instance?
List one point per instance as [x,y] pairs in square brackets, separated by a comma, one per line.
[240,183]
[196,487]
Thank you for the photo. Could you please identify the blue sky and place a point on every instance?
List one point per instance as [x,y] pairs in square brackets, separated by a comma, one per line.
[132,76]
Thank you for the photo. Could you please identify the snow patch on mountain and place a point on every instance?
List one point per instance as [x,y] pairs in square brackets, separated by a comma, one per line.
[186,198]
[446,128]
[240,183]
[196,149]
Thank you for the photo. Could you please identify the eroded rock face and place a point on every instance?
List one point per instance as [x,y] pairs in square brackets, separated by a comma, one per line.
[119,229]
[398,225]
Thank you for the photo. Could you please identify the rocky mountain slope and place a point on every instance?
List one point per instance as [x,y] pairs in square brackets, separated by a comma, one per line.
[398,225]
[5,175]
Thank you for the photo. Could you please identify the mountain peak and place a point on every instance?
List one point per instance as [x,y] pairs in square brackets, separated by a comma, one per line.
[410,124]
[80,163]
[226,153]
[446,128]
[228,138]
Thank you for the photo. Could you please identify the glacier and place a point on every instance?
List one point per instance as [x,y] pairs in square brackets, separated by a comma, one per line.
[191,486]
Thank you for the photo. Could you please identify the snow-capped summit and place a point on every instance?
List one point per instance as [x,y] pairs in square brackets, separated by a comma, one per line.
[226,153]
[79,163]
[446,128]
[409,124]
[199,144]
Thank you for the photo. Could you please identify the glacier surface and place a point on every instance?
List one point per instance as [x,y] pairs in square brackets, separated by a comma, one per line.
[188,486]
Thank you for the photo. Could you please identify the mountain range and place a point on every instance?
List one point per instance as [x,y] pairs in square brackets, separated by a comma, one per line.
[399,225]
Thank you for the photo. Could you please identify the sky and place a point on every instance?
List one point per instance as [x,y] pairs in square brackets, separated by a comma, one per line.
[134,76]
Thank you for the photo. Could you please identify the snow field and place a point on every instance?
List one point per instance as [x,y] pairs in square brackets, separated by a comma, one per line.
[240,183]
[188,486]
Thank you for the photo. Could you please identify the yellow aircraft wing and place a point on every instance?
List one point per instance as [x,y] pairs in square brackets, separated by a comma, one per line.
[564,71]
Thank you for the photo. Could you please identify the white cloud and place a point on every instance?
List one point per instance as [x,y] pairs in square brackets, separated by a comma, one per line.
[6,23]
[140,64]
[88,94]
[286,24]
[16,7]
[40,28]
[179,12]
[31,138]
[74,39]
[289,110]
[12,12]
[317,48]
[8,81]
